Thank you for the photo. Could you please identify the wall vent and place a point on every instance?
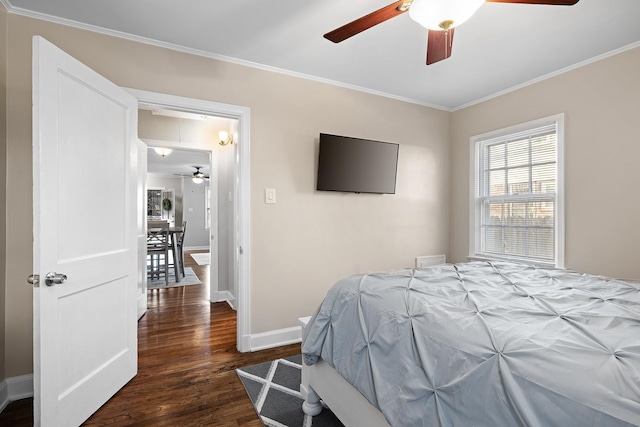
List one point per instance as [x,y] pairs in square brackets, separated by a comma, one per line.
[426,261]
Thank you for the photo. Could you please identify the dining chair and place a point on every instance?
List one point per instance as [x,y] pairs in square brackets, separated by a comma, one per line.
[158,248]
[180,245]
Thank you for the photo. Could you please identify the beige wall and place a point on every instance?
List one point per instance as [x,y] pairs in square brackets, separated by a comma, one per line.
[601,102]
[305,242]
[309,239]
[3,198]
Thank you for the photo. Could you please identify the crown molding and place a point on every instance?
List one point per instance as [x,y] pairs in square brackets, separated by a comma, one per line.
[197,52]
[183,49]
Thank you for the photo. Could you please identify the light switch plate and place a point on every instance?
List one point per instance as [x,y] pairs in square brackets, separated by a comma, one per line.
[270,195]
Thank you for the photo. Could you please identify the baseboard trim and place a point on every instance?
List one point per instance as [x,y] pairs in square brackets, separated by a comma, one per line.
[220,296]
[142,305]
[275,338]
[196,248]
[15,388]
[21,387]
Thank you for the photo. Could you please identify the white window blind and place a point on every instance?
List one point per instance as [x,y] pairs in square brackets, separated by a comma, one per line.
[516,194]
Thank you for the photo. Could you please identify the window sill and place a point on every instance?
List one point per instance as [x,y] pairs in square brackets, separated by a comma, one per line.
[509,259]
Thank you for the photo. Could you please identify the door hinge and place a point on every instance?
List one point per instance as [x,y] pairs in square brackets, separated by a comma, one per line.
[34,280]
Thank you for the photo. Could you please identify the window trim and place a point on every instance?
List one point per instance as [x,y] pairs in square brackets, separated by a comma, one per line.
[474,171]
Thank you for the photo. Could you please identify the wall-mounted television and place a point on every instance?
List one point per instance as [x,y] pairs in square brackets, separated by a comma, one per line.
[356,165]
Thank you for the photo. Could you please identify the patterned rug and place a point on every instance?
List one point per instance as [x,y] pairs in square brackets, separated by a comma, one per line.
[274,390]
[189,278]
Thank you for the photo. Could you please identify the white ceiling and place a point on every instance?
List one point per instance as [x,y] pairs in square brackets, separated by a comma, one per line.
[503,46]
[177,163]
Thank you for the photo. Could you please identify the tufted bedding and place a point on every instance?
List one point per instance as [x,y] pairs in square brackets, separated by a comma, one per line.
[485,344]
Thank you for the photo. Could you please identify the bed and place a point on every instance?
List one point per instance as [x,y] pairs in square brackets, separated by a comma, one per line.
[476,344]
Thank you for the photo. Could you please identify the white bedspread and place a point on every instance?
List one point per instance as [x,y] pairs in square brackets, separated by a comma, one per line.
[485,344]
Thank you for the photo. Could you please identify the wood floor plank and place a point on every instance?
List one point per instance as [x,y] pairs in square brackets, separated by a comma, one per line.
[186,366]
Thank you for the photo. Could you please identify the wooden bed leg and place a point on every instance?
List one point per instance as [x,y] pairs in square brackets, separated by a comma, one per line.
[312,406]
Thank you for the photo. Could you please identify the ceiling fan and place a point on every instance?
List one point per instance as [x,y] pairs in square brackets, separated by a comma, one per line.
[197,177]
[440,17]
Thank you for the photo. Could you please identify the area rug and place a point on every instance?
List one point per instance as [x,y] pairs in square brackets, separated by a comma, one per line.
[189,279]
[274,390]
[202,258]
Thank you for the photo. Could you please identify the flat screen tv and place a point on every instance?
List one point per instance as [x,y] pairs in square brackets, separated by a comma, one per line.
[357,165]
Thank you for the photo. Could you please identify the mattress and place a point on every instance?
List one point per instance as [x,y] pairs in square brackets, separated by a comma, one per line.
[485,344]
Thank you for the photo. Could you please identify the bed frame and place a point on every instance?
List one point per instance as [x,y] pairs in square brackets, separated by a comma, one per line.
[321,382]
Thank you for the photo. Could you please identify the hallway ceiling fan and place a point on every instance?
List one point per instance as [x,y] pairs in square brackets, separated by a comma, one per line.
[197,177]
[439,17]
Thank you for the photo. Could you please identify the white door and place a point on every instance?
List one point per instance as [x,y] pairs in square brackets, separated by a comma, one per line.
[84,227]
[142,229]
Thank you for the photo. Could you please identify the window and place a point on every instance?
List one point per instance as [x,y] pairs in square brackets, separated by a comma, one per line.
[517,183]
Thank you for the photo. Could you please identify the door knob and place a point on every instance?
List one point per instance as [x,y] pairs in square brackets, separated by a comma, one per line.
[34,280]
[54,278]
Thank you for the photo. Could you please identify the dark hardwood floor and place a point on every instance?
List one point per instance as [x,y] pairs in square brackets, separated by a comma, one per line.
[186,366]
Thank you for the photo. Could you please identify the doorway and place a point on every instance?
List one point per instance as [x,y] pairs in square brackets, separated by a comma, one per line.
[189,180]
[173,193]
[238,195]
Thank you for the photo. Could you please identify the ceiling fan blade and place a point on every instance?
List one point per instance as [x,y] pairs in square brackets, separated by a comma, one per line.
[368,21]
[549,2]
[439,44]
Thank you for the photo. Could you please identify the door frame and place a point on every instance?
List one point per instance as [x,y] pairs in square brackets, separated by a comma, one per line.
[241,256]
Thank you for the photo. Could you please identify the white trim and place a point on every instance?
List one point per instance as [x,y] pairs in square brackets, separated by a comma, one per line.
[196,248]
[560,191]
[275,338]
[183,49]
[224,296]
[474,153]
[15,388]
[221,296]
[242,209]
[504,258]
[205,54]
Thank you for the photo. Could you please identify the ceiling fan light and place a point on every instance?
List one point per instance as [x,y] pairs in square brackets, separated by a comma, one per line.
[198,176]
[443,14]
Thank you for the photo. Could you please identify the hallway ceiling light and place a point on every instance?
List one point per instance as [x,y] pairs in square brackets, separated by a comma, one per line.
[164,152]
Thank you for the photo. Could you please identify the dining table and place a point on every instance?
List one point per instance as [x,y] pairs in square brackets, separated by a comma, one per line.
[173,232]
